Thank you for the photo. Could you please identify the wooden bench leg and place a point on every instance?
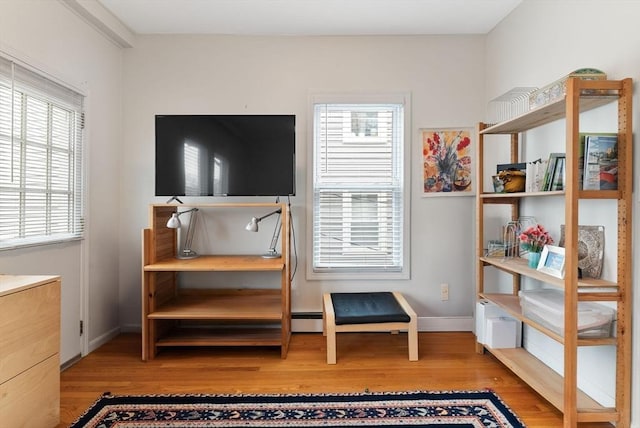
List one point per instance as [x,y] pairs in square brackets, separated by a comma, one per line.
[412,335]
[324,315]
[329,327]
[412,331]
[331,345]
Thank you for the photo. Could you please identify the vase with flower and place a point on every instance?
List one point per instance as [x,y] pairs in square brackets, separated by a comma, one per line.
[533,239]
[447,164]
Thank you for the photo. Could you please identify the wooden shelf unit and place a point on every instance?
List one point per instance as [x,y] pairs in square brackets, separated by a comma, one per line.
[177,316]
[562,391]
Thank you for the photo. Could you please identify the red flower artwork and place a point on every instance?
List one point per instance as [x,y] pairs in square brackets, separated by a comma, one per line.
[446,161]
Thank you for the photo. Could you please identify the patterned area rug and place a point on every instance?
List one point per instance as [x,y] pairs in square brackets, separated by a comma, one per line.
[455,409]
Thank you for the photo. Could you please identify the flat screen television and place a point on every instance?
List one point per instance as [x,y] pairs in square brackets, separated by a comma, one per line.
[225,155]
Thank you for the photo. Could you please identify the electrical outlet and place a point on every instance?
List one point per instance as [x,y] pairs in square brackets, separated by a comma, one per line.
[444,292]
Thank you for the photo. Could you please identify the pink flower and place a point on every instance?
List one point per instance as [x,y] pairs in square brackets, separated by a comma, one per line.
[535,238]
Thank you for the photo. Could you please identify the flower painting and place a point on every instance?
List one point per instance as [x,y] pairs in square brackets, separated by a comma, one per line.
[446,160]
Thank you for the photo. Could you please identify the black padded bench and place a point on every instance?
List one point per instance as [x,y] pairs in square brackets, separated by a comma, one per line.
[373,311]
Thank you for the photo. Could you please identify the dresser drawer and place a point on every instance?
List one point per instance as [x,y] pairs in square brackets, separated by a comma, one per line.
[29,328]
[32,399]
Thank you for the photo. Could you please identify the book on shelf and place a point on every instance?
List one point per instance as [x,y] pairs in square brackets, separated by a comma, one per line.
[550,171]
[600,161]
[581,140]
[535,175]
[559,174]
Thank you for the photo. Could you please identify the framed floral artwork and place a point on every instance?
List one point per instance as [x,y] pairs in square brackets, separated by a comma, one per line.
[447,162]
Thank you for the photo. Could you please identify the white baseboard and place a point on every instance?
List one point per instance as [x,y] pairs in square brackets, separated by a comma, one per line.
[424,324]
[446,323]
[102,339]
[306,326]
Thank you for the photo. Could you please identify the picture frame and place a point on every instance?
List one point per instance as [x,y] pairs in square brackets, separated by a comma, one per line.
[552,261]
[447,161]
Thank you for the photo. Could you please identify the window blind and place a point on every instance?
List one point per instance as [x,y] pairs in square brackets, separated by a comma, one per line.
[358,188]
[41,161]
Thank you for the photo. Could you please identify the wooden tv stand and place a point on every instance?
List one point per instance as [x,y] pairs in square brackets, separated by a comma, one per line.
[225,317]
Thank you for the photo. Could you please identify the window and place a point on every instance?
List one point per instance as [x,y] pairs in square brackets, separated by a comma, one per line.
[192,169]
[359,217]
[41,184]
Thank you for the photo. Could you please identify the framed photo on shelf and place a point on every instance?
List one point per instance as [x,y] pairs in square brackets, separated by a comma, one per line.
[447,162]
[552,261]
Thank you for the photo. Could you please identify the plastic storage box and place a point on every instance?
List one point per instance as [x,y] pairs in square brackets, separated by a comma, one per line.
[546,307]
[501,333]
[486,310]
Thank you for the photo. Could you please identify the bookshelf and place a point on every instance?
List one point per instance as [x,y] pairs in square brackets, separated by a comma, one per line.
[562,391]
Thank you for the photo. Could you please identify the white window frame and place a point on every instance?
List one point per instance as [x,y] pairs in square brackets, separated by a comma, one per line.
[51,148]
[357,274]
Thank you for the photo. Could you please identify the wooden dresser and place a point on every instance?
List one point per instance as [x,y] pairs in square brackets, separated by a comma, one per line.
[29,351]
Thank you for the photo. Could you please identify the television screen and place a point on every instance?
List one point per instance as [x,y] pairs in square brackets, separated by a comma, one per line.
[225,155]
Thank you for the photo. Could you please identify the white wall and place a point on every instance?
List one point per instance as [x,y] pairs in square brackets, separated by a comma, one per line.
[541,41]
[226,74]
[50,36]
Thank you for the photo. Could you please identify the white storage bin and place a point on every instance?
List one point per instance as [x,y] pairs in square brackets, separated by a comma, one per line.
[486,310]
[501,333]
[546,307]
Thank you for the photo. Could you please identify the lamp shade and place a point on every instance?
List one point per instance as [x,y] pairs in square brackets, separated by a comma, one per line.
[174,221]
[252,226]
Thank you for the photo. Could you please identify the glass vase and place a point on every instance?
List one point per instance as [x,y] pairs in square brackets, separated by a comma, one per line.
[534,259]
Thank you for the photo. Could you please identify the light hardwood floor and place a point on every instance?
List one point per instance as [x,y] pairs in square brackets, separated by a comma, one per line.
[366,361]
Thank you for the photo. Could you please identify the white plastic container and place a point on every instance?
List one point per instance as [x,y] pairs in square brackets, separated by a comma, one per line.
[486,310]
[546,307]
[501,333]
